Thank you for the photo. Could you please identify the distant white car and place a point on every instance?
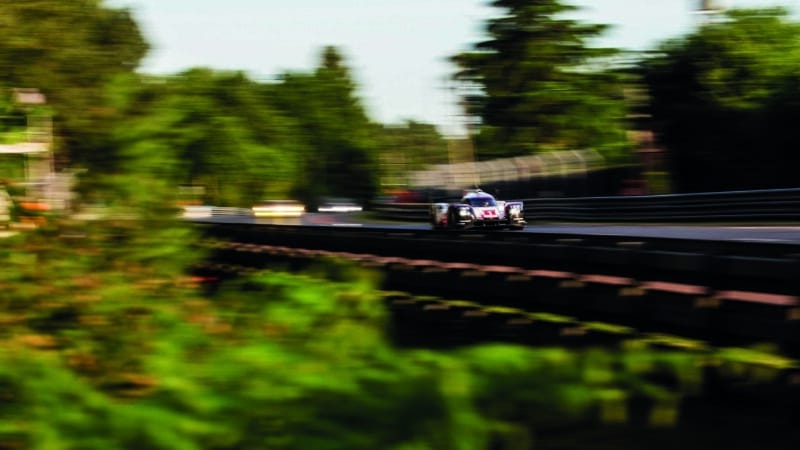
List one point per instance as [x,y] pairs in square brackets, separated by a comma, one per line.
[339,205]
[478,209]
[278,208]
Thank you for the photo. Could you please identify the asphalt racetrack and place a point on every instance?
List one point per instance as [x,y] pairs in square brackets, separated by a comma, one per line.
[782,233]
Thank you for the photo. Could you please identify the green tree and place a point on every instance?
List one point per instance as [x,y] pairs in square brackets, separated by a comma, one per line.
[70,49]
[206,128]
[536,84]
[342,158]
[407,147]
[724,101]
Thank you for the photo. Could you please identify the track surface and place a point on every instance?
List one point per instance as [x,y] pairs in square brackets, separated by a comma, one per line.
[785,233]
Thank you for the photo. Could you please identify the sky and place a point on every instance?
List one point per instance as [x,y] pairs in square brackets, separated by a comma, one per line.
[397,50]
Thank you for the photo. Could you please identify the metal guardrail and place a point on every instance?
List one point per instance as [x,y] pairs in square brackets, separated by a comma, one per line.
[773,204]
[736,263]
[728,289]
[415,212]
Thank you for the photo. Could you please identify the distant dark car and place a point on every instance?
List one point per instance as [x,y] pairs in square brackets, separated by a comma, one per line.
[339,205]
[478,209]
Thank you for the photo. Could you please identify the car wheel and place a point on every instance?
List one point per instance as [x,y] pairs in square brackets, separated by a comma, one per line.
[451,218]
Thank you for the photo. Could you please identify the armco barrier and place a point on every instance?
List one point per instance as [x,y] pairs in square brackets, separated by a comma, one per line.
[727,290]
[415,212]
[734,206]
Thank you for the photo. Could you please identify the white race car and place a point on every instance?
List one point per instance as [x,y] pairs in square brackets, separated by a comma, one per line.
[478,209]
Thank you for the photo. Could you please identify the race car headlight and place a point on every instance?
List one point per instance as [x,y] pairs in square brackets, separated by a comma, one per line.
[463,212]
[514,210]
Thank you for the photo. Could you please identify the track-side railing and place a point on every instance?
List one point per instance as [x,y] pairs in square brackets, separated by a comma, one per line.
[734,206]
[728,289]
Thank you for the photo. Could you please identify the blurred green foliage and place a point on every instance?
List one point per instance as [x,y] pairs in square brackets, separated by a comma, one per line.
[536,85]
[107,343]
[409,147]
[343,160]
[304,135]
[13,122]
[69,50]
[205,128]
[723,100]
[126,357]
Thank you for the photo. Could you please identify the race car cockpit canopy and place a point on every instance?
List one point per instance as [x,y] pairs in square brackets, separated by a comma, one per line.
[478,198]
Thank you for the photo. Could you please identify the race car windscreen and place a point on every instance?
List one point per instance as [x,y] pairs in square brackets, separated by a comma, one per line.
[481,202]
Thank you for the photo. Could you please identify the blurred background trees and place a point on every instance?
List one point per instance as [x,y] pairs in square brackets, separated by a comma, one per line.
[210,129]
[724,99]
[409,147]
[70,50]
[720,102]
[342,144]
[537,85]
[306,135]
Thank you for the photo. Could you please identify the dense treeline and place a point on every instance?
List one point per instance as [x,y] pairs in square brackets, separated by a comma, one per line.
[723,102]
[304,135]
[720,101]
